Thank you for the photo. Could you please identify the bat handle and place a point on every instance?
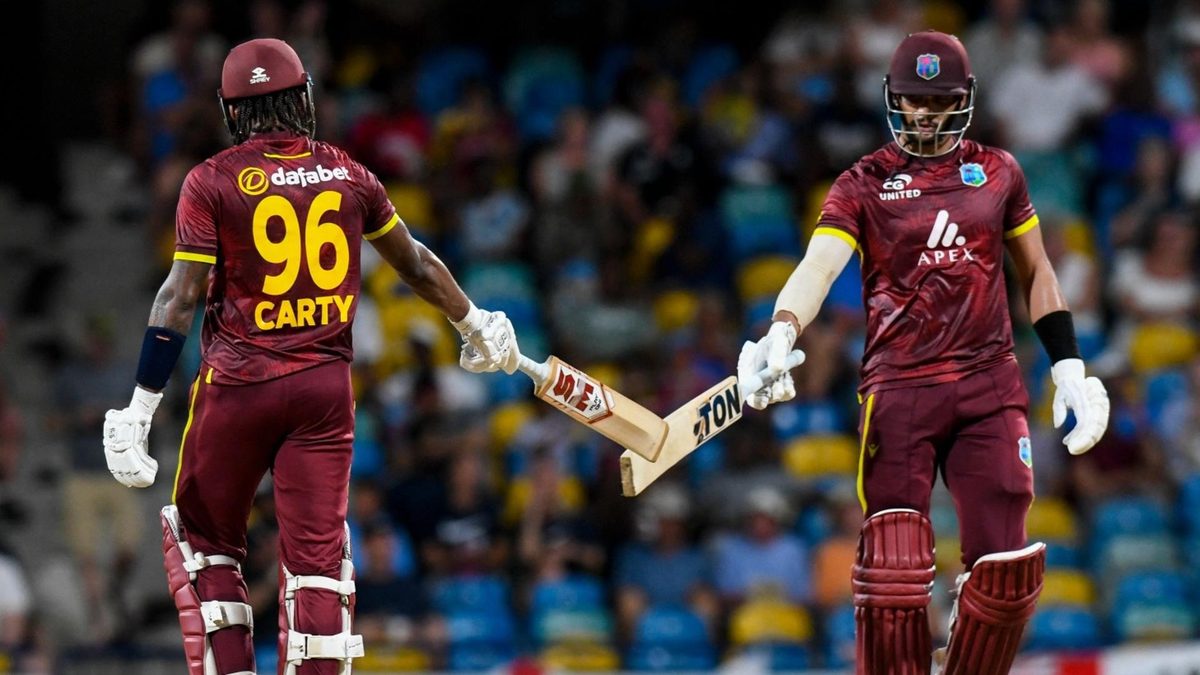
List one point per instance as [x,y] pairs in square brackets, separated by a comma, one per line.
[538,372]
[755,382]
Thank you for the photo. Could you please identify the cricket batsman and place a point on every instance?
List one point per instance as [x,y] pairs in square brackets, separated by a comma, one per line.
[273,224]
[931,216]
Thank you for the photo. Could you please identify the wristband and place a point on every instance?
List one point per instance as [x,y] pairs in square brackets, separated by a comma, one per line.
[160,351]
[1056,330]
[471,322]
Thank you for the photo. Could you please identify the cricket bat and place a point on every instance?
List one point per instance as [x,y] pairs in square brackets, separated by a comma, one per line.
[692,425]
[588,401]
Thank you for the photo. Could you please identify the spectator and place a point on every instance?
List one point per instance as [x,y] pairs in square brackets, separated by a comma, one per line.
[1041,106]
[763,556]
[97,509]
[835,556]
[664,568]
[1096,50]
[390,607]
[466,529]
[1004,38]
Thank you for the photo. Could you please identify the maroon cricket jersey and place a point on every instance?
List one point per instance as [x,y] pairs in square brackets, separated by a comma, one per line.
[931,232]
[280,218]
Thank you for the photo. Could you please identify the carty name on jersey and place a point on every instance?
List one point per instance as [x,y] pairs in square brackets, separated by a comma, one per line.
[302,312]
[303,177]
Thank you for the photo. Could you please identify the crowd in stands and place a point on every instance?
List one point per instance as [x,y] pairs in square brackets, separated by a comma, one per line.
[634,209]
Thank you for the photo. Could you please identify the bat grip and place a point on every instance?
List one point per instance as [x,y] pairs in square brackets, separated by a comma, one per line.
[755,382]
[538,372]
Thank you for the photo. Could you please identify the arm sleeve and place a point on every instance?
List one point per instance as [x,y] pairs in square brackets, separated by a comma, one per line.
[379,216]
[1019,215]
[805,290]
[196,220]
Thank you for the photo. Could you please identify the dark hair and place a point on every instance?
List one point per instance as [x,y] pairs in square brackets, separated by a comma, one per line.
[287,110]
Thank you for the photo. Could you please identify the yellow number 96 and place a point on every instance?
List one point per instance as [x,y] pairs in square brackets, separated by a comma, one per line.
[288,249]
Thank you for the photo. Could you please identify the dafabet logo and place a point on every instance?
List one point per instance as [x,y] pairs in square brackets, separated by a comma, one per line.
[252,180]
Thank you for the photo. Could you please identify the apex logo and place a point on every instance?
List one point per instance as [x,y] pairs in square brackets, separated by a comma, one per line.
[720,410]
[945,244]
[898,185]
[259,76]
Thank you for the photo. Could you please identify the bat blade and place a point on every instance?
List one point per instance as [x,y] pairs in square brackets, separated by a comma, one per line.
[608,412]
[688,428]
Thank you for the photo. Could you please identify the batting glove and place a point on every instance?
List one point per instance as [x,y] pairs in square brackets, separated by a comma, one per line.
[1086,397]
[489,342]
[768,356]
[125,440]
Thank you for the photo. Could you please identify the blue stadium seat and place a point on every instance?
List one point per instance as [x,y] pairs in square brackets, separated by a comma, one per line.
[574,592]
[801,418]
[760,221]
[480,657]
[1128,553]
[839,637]
[786,657]
[1063,628]
[1063,554]
[540,85]
[471,594]
[441,74]
[1160,389]
[1188,504]
[814,525]
[670,625]
[708,66]
[1154,622]
[1125,516]
[662,659]
[494,626]
[1150,587]
[575,625]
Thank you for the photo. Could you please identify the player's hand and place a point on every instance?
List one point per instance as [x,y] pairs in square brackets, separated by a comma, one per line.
[769,355]
[489,342]
[125,434]
[1086,397]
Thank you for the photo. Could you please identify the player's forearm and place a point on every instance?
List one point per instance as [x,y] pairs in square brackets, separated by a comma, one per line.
[429,278]
[170,321]
[1042,292]
[810,282]
[174,306]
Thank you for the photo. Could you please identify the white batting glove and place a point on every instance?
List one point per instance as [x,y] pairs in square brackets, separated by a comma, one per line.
[125,435]
[1086,397]
[489,342]
[769,354]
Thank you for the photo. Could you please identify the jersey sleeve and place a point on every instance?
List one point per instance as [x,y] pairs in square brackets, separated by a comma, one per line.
[196,220]
[1019,215]
[379,216]
[840,212]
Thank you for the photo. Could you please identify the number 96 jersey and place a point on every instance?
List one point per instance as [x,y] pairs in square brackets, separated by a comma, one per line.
[931,233]
[279,217]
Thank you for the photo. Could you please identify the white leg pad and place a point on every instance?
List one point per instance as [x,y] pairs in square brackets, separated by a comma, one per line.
[343,647]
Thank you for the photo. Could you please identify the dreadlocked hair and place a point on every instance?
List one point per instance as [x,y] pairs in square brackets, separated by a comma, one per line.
[287,110]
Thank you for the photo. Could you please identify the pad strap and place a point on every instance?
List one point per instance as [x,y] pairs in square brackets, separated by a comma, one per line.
[343,588]
[200,561]
[301,646]
[220,614]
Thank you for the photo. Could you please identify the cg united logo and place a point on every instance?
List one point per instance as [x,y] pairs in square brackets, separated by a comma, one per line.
[253,181]
[928,66]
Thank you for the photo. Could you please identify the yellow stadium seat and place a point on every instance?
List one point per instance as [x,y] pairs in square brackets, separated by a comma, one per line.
[1067,587]
[1079,238]
[947,554]
[571,497]
[581,656]
[811,456]
[769,620]
[812,211]
[650,240]
[1161,345]
[380,659]
[764,276]
[415,202]
[1051,519]
[507,420]
[675,309]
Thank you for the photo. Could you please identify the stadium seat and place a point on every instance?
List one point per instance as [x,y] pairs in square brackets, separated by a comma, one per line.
[576,591]
[1150,587]
[581,657]
[769,620]
[1062,554]
[1067,587]
[671,626]
[839,637]
[1161,345]
[1129,553]
[1188,504]
[571,495]
[662,659]
[1125,516]
[1161,389]
[782,657]
[384,659]
[480,657]
[580,625]
[708,66]
[540,85]
[810,457]
[1051,519]
[471,594]
[759,221]
[1146,622]
[793,419]
[416,203]
[1062,627]
[675,309]
[441,74]
[814,525]
[507,421]
[947,554]
[763,277]
[494,625]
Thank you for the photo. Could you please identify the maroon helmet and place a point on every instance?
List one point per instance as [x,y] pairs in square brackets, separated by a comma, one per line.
[930,63]
[257,68]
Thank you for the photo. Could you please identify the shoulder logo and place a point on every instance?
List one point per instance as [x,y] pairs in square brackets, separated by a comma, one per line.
[928,66]
[945,244]
[972,174]
[252,180]
[1025,451]
[259,76]
[898,184]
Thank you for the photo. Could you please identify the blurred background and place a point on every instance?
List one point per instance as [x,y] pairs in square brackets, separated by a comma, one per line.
[631,181]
